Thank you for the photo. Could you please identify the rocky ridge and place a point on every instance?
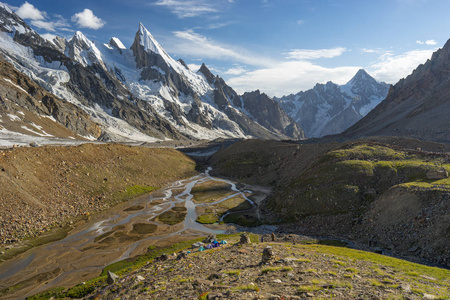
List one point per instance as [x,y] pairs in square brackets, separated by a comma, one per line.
[251,109]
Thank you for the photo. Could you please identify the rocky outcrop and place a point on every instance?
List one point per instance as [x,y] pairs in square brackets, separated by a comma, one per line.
[269,114]
[417,106]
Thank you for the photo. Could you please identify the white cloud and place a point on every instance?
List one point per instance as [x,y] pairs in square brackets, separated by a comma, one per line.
[59,24]
[238,70]
[390,68]
[87,19]
[308,54]
[289,77]
[48,36]
[300,22]
[194,67]
[43,24]
[187,8]
[40,18]
[427,42]
[28,11]
[196,45]
[220,25]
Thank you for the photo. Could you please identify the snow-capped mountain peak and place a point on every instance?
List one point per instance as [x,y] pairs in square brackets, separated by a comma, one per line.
[361,80]
[117,43]
[6,7]
[149,43]
[82,50]
[139,93]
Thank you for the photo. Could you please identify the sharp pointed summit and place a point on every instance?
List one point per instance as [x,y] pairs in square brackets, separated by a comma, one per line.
[117,43]
[207,73]
[146,40]
[84,51]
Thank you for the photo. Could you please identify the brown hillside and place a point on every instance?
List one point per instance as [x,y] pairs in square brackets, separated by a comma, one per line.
[46,186]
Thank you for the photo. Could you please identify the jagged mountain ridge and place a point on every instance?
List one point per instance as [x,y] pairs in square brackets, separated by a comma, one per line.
[255,107]
[417,106]
[135,94]
[330,108]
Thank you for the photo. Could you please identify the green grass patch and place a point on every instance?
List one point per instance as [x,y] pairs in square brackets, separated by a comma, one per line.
[234,204]
[208,218]
[248,287]
[172,217]
[232,272]
[144,228]
[211,191]
[309,288]
[132,192]
[243,219]
[270,269]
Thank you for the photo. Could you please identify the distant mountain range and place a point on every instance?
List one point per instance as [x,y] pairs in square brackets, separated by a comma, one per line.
[329,108]
[137,94]
[82,89]
[417,106]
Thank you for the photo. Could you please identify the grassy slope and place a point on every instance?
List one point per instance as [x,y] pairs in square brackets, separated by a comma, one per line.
[348,179]
[48,186]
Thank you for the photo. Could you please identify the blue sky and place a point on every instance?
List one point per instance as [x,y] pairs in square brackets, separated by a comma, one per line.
[277,46]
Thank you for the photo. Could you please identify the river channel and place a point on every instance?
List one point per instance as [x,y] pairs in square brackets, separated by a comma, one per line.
[124,231]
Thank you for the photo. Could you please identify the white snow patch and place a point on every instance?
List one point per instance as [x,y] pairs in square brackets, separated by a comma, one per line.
[48,117]
[12,83]
[119,43]
[42,133]
[14,117]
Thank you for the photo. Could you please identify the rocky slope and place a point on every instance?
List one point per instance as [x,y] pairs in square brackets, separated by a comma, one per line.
[329,108]
[378,194]
[284,267]
[137,94]
[27,108]
[416,106]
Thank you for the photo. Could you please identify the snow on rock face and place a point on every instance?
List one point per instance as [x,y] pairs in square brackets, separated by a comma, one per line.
[5,7]
[149,43]
[115,42]
[82,50]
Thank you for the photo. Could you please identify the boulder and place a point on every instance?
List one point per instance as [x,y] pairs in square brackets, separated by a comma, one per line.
[437,174]
[268,256]
[111,277]
[245,239]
